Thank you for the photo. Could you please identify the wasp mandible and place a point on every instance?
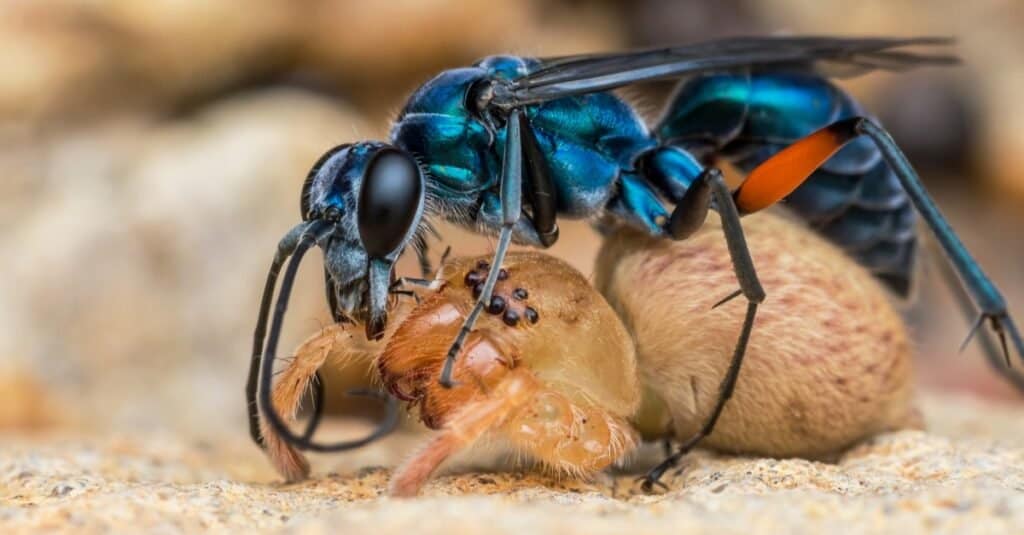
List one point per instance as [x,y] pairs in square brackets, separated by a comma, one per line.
[512,143]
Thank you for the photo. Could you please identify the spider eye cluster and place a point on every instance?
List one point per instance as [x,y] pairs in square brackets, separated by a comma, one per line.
[389,201]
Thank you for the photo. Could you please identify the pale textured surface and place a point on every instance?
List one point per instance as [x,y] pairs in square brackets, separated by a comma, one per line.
[967,475]
[827,362]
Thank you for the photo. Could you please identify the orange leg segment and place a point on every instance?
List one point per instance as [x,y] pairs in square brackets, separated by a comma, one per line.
[779,175]
[471,422]
[290,388]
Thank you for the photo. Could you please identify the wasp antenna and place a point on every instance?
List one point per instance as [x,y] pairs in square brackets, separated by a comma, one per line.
[313,233]
[284,249]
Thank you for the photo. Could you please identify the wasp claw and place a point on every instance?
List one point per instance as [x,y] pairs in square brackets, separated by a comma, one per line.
[997,326]
[650,482]
[653,476]
[1003,326]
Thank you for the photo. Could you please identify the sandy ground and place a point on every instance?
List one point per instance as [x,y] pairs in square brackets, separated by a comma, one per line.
[965,475]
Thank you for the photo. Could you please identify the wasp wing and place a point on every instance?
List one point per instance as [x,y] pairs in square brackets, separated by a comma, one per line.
[829,56]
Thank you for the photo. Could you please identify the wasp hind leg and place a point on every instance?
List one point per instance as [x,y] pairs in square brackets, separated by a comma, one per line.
[709,189]
[985,294]
[780,175]
[638,205]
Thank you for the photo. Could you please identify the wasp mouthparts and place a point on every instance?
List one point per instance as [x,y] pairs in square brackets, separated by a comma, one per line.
[375,327]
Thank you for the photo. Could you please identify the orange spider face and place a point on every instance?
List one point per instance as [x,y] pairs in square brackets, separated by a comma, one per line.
[411,362]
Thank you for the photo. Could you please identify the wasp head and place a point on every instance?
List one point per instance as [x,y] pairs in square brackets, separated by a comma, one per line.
[361,203]
[370,196]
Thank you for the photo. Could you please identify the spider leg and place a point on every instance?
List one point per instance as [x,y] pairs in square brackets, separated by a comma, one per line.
[288,392]
[462,430]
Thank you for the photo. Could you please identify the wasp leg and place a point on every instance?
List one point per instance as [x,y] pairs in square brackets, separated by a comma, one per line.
[284,249]
[989,346]
[422,258]
[711,181]
[270,417]
[401,282]
[541,191]
[511,208]
[490,216]
[318,385]
[636,203]
[981,288]
[725,391]
[779,175]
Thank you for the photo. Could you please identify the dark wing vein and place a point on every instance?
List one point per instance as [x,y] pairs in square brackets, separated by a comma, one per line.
[829,56]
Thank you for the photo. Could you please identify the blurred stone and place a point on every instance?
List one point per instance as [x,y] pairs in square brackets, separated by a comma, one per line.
[935,120]
[48,63]
[25,404]
[137,263]
[668,22]
[380,51]
[80,58]
[176,47]
[83,59]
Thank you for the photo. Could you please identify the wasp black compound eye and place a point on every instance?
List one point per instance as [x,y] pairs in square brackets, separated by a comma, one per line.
[389,201]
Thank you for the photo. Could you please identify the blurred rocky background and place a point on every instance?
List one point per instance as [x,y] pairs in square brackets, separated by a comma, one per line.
[151,155]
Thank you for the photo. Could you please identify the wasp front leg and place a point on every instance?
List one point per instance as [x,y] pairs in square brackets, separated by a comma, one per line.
[490,217]
[511,211]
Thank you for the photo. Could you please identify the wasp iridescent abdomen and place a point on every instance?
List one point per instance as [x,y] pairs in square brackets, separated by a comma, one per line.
[854,199]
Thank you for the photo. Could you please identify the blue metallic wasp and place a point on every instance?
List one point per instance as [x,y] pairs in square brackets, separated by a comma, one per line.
[510,144]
